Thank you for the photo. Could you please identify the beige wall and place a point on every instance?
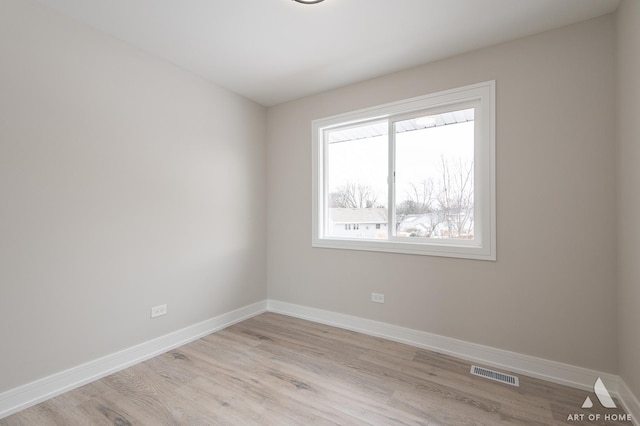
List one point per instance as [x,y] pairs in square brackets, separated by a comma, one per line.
[124,183]
[552,292]
[629,191]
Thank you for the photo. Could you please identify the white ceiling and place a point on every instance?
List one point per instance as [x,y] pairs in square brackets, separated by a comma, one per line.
[272,51]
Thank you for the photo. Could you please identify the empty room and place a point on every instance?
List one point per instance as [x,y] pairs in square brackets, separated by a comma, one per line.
[289,212]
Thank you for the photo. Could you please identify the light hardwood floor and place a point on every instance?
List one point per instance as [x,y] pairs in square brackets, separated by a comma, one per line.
[277,370]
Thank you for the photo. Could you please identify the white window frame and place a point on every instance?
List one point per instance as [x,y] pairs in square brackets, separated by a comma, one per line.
[483,246]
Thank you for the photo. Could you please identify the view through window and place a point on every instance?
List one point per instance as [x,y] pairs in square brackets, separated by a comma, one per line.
[434,188]
[409,178]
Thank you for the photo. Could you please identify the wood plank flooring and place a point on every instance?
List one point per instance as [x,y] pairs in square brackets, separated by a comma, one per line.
[278,370]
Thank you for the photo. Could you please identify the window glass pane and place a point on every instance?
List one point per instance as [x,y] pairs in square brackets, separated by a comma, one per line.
[435,176]
[357,169]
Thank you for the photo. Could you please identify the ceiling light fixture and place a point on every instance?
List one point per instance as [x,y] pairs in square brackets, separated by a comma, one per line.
[308,1]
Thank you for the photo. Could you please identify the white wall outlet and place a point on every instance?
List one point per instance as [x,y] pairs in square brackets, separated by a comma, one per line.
[158,311]
[377,297]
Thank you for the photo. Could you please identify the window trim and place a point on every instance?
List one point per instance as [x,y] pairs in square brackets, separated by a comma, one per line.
[484,245]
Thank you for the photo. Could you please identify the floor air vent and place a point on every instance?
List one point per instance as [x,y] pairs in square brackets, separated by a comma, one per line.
[495,375]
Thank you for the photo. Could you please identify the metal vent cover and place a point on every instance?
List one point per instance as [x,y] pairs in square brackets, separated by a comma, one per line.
[495,375]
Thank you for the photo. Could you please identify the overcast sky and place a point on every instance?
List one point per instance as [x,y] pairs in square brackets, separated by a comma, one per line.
[418,156]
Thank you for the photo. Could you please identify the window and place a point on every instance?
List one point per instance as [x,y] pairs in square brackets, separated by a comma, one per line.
[421,170]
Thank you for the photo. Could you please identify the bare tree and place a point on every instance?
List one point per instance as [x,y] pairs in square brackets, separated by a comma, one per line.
[354,195]
[455,196]
[419,199]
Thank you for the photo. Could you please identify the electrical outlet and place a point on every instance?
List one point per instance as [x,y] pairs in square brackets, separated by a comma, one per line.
[377,297]
[158,311]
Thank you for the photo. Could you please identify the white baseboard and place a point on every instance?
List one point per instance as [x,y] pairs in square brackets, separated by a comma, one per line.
[552,371]
[33,393]
[629,402]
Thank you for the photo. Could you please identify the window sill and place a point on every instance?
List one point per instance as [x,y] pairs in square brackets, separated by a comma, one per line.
[442,249]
